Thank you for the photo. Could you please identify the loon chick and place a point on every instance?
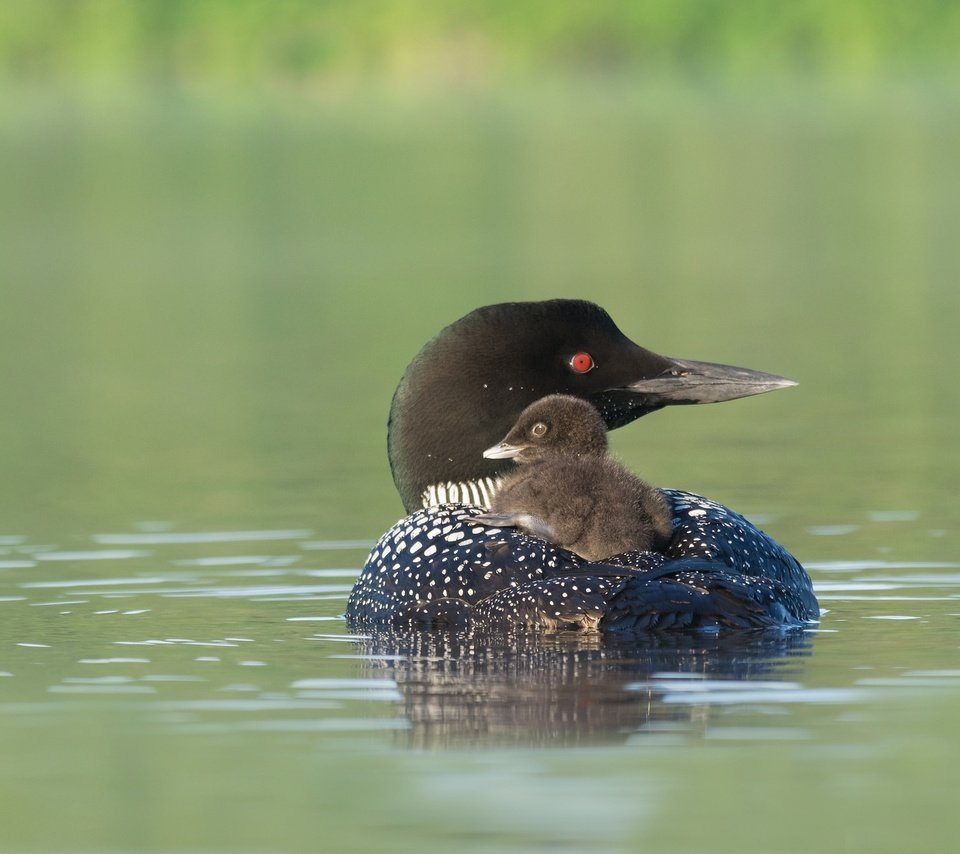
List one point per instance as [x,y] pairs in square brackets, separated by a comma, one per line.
[460,394]
[568,491]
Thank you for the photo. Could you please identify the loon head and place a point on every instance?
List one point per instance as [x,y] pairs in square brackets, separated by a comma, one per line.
[466,388]
[552,425]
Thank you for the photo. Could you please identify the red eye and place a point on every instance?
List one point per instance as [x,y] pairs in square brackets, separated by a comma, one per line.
[582,362]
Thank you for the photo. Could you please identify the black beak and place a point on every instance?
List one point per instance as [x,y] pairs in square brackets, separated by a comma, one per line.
[685,381]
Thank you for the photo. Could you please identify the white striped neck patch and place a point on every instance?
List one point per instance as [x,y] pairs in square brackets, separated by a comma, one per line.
[477,492]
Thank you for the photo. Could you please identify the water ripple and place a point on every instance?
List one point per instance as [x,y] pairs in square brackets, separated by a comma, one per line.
[807,696]
[104,554]
[337,545]
[861,565]
[238,560]
[101,689]
[331,725]
[205,591]
[198,537]
[692,689]
[94,582]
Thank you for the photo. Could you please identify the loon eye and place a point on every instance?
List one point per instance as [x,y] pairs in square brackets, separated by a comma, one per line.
[582,363]
[539,429]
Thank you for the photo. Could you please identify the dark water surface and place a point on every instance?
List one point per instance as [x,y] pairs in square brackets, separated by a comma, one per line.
[205,310]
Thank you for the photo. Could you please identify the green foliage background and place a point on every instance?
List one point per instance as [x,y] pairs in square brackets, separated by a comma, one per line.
[252,42]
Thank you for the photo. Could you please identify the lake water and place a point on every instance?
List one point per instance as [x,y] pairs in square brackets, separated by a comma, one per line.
[206,306]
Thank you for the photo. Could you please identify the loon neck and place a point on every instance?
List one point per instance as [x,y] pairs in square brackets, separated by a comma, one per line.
[478,492]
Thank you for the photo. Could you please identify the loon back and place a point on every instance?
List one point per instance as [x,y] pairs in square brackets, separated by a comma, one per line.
[464,390]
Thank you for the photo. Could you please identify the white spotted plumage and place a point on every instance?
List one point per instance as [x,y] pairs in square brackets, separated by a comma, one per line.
[436,557]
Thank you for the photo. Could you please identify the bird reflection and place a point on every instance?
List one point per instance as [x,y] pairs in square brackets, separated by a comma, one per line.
[496,689]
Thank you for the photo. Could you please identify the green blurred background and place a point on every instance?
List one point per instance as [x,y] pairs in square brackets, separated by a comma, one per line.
[227,225]
[333,44]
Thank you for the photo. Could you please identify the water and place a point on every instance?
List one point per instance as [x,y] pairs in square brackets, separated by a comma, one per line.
[206,307]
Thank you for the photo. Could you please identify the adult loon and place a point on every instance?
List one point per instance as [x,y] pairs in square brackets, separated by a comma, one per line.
[460,394]
[568,491]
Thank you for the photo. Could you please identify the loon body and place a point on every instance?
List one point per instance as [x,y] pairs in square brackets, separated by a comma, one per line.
[460,395]
[569,491]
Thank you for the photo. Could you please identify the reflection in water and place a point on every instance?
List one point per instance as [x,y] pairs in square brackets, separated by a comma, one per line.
[563,689]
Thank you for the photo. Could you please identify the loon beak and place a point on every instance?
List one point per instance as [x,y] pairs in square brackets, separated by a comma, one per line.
[686,381]
[503,451]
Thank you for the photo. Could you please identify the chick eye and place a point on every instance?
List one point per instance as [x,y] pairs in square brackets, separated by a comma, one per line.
[582,363]
[539,429]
